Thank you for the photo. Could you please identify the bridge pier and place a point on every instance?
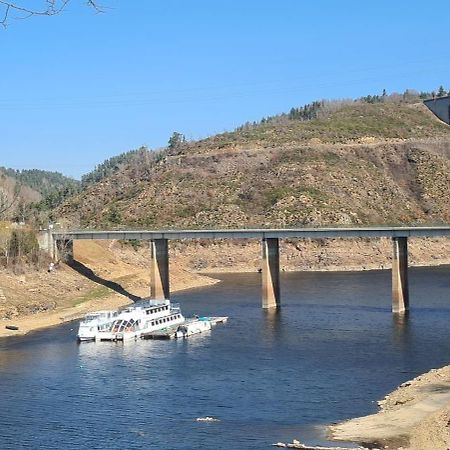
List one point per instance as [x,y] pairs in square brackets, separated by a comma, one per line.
[400,292]
[270,273]
[159,269]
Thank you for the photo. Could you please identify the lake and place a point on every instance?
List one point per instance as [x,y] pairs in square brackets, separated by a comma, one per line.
[332,350]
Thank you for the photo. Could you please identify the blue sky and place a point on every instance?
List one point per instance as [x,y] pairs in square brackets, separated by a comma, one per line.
[81,87]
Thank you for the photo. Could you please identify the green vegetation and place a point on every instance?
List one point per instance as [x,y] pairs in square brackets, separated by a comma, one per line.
[53,188]
[324,109]
[176,142]
[42,181]
[19,248]
[114,164]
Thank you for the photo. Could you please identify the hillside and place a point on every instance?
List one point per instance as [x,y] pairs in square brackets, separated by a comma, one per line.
[382,163]
[42,181]
[358,163]
[14,196]
[21,188]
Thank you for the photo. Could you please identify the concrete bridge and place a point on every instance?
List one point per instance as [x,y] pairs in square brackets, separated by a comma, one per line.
[58,242]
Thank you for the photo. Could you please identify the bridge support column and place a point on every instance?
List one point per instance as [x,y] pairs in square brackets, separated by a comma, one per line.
[270,273]
[63,250]
[159,269]
[400,292]
[51,245]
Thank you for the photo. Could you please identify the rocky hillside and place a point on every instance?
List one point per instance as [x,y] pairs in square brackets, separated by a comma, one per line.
[383,163]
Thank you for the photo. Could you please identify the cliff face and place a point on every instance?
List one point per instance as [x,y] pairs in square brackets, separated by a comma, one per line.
[364,164]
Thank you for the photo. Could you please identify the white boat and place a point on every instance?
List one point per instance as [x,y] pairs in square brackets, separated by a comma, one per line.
[93,322]
[145,317]
[193,326]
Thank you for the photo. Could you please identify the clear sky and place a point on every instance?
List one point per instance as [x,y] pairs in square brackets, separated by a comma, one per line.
[81,87]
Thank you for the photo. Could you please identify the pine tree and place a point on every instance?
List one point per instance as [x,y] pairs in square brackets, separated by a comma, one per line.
[176,141]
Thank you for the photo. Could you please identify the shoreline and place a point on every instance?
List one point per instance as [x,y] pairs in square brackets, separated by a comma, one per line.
[58,316]
[340,268]
[33,322]
[415,416]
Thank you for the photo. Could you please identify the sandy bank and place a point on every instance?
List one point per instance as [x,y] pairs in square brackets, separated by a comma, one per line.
[109,276]
[415,417]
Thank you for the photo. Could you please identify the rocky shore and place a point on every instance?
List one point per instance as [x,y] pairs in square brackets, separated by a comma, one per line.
[416,416]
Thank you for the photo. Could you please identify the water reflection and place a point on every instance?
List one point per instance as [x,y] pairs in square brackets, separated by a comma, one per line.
[272,321]
[401,328]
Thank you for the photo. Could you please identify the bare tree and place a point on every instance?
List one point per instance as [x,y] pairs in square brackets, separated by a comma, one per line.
[20,9]
[8,199]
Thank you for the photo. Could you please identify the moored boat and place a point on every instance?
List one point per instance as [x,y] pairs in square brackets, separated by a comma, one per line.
[193,326]
[145,317]
[92,323]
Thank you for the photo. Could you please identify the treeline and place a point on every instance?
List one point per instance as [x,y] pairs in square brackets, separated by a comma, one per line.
[323,108]
[53,187]
[42,181]
[112,165]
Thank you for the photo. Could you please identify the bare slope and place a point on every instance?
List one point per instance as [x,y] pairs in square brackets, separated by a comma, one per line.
[364,164]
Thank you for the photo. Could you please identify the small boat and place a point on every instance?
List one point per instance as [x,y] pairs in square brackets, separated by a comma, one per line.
[193,326]
[170,332]
[216,320]
[11,327]
[92,323]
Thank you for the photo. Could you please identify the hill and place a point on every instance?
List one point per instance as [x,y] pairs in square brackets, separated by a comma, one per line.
[22,188]
[356,163]
[378,162]
[14,197]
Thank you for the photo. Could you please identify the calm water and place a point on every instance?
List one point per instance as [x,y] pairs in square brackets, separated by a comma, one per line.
[329,354]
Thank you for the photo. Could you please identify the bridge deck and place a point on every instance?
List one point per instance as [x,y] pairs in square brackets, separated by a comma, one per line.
[298,233]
